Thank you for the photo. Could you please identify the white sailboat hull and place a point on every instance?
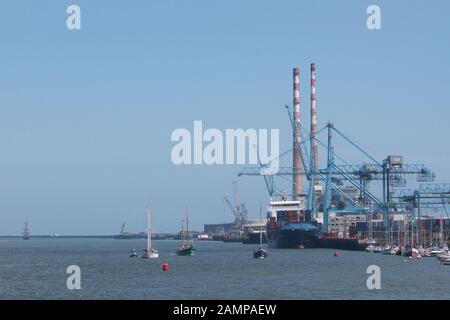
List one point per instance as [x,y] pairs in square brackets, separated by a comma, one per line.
[152,254]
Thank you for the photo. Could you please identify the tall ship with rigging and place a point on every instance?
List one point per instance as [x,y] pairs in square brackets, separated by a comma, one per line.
[186,247]
[26,231]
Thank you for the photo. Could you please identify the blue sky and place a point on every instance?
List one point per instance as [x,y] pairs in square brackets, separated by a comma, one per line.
[86,115]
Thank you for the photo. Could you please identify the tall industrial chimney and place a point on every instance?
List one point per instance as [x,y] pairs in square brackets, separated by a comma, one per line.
[297,187]
[314,147]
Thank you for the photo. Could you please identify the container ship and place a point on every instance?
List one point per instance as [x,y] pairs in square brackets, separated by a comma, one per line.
[287,226]
[290,226]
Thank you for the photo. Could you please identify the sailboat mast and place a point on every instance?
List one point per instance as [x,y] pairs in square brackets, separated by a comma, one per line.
[260,224]
[412,230]
[187,225]
[149,228]
[182,230]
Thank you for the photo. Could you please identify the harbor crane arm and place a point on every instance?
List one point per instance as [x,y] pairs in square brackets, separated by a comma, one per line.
[236,213]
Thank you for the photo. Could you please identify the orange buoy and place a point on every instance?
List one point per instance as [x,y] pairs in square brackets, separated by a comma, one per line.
[165,266]
[336,253]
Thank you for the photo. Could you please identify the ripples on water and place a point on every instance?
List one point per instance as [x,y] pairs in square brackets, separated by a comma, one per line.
[36,269]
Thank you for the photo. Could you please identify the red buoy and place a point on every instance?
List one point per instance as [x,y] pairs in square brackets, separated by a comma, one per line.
[336,253]
[165,266]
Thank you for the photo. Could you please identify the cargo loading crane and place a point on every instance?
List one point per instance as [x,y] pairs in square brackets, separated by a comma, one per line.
[239,210]
[338,177]
[432,197]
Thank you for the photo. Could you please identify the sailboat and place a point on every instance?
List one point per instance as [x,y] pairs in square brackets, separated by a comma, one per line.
[149,252]
[186,247]
[260,253]
[410,250]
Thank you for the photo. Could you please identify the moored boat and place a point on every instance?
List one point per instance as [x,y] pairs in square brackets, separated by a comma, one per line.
[411,252]
[390,250]
[149,252]
[186,247]
[260,253]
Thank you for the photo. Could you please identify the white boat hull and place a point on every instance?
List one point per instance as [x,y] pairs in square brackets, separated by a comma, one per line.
[153,254]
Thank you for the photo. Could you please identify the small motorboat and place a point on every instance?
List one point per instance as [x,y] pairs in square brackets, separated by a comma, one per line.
[394,250]
[443,256]
[436,251]
[377,249]
[133,254]
[389,250]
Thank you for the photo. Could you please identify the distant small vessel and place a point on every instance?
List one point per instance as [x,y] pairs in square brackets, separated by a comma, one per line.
[204,237]
[437,251]
[133,254]
[446,262]
[374,249]
[425,252]
[443,256]
[149,252]
[260,253]
[26,231]
[391,250]
[186,247]
[378,249]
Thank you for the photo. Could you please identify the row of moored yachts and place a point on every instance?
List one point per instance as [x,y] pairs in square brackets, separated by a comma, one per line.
[442,253]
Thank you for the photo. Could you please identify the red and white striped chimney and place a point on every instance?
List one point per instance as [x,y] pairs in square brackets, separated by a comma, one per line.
[314,146]
[297,187]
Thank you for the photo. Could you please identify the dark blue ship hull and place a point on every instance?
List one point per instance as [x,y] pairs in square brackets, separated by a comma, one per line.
[303,235]
[294,235]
